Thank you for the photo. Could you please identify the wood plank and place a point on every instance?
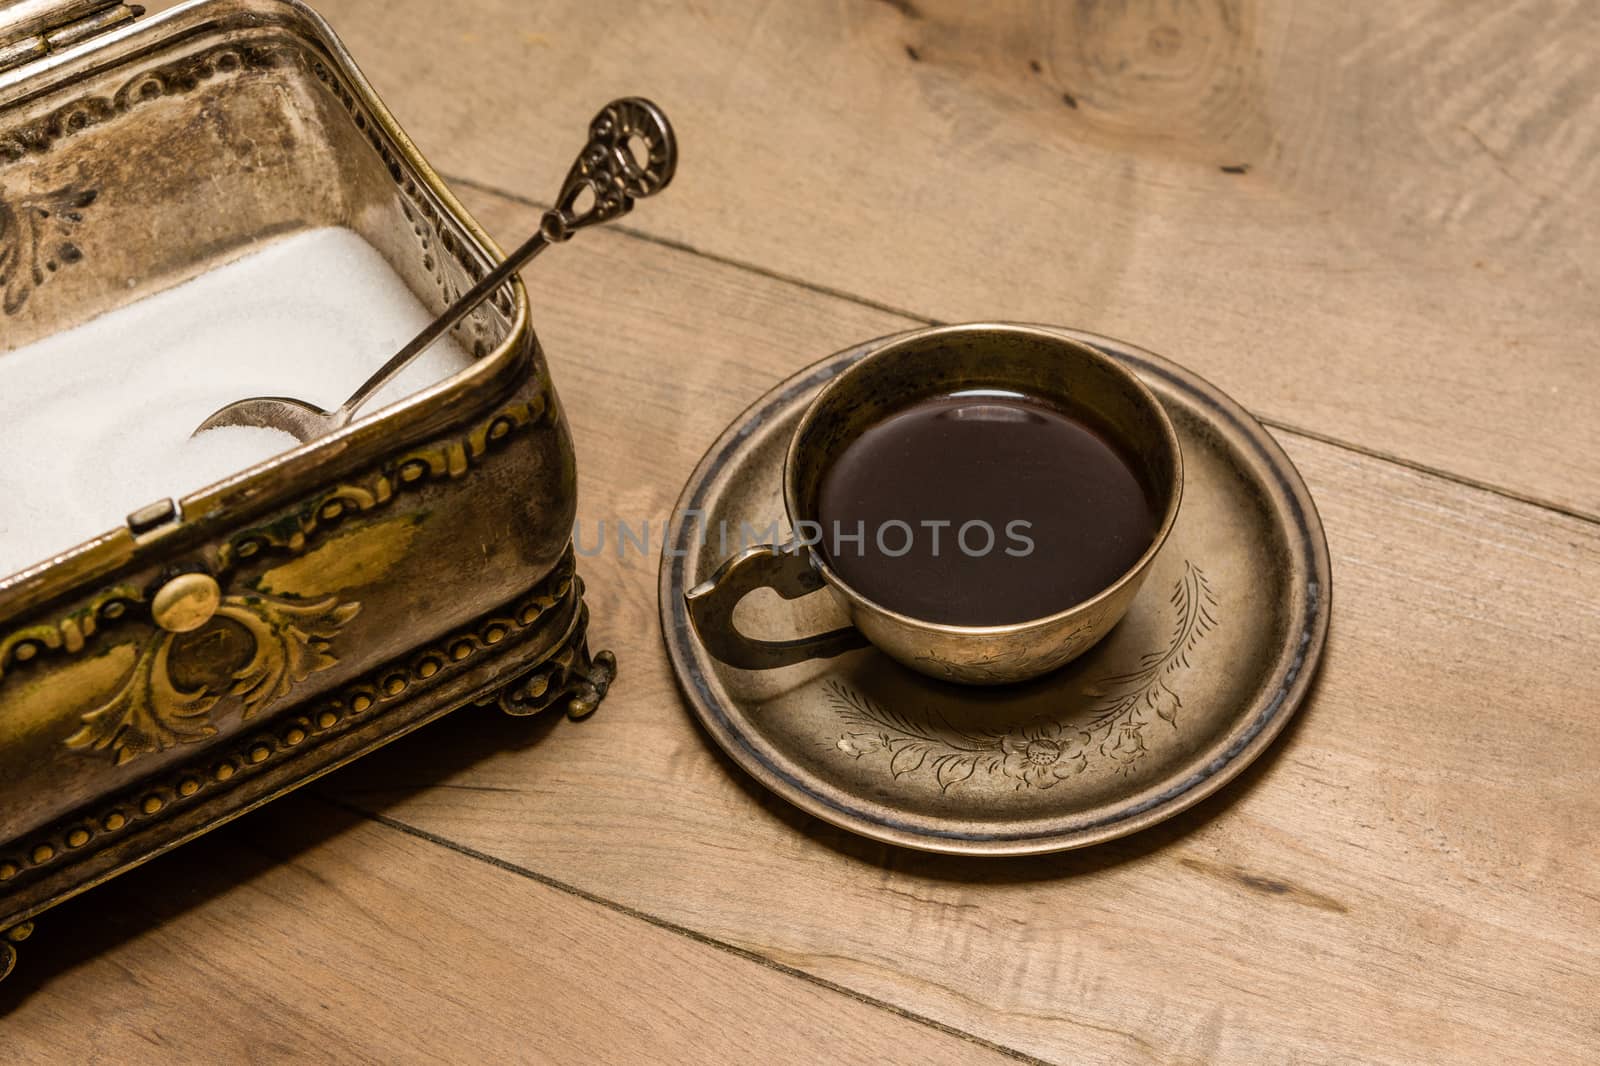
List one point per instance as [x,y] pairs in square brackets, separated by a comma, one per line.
[1404,261]
[306,933]
[1407,877]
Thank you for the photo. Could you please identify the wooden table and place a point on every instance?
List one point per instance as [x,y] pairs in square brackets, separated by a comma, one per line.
[1374,224]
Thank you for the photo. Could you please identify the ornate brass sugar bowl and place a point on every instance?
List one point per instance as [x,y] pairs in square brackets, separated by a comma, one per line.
[214,651]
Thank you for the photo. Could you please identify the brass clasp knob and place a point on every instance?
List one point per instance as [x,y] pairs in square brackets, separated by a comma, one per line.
[186,602]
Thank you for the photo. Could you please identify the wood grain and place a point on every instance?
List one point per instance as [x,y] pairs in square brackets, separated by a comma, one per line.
[1367,221]
[310,934]
[1407,878]
[1370,221]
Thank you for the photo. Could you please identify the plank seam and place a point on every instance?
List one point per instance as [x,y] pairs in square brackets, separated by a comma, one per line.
[685,931]
[1593,518]
[714,257]
[1467,481]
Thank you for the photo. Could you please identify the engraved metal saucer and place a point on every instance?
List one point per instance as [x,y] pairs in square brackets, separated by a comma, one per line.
[1213,657]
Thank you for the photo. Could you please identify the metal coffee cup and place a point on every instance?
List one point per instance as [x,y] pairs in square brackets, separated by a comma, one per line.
[1070,376]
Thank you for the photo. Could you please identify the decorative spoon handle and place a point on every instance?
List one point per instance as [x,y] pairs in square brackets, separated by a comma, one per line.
[609,169]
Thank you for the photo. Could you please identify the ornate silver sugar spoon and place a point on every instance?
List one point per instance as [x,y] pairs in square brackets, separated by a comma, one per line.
[610,168]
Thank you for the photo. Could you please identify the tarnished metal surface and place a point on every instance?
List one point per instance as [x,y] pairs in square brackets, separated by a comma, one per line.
[1213,656]
[30,29]
[926,363]
[178,670]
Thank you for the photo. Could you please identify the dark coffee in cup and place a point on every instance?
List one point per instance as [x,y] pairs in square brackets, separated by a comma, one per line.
[982,507]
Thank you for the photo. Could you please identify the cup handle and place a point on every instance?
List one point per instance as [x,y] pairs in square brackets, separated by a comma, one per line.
[782,568]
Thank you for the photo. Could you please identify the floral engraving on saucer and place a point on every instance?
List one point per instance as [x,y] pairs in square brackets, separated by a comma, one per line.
[1043,751]
[1120,718]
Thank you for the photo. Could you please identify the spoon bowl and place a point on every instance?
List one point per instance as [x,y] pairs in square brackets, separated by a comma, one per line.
[301,420]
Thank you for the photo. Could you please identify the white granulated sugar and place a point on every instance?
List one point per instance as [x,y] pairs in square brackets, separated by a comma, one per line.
[95,421]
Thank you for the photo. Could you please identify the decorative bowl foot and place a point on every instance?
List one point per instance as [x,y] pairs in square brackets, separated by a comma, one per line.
[571,677]
[9,939]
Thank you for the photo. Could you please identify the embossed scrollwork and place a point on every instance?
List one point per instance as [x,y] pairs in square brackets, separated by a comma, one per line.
[567,671]
[36,241]
[631,153]
[154,709]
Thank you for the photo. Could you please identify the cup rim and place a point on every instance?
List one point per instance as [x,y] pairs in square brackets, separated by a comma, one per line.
[1014,329]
